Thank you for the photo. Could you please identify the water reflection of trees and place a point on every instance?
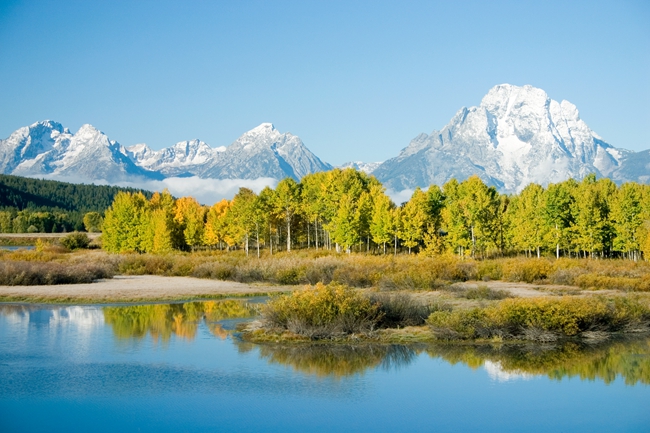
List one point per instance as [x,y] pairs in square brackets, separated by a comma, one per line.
[338,360]
[629,359]
[161,321]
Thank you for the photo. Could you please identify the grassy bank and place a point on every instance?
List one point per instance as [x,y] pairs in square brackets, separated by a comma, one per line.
[361,271]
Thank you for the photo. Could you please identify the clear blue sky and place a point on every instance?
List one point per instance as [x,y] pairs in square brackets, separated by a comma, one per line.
[355,80]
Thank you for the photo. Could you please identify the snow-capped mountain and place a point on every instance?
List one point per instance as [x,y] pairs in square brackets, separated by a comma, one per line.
[264,152]
[185,158]
[366,167]
[517,135]
[49,150]
[261,152]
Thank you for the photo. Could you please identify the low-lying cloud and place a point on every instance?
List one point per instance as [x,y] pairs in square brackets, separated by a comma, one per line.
[206,191]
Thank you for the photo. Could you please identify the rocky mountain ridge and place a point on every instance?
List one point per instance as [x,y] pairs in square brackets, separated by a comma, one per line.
[46,149]
[515,136]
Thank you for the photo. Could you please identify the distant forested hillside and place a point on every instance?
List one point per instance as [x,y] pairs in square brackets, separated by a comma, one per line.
[48,205]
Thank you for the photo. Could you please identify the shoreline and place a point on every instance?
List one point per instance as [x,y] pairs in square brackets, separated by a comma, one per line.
[137,288]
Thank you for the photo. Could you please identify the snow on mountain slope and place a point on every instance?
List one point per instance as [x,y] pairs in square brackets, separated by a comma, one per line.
[517,135]
[366,167]
[182,159]
[49,150]
[264,152]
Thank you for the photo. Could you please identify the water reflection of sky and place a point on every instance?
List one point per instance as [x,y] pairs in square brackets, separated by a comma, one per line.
[496,372]
[69,366]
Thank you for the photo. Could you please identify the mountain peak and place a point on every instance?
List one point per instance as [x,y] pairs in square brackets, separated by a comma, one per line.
[517,135]
[263,128]
[50,124]
[503,97]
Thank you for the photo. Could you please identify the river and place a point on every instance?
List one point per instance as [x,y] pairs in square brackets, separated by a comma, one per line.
[180,367]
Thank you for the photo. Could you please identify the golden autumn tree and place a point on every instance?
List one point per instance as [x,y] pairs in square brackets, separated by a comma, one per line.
[215,226]
[190,216]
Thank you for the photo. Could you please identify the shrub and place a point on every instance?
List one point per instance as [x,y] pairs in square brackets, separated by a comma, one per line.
[399,310]
[484,292]
[75,241]
[458,324]
[39,273]
[489,270]
[526,270]
[214,270]
[321,312]
[542,319]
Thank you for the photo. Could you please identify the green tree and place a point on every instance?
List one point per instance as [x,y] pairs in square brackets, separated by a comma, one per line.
[414,219]
[589,220]
[527,219]
[346,223]
[381,221]
[93,222]
[558,201]
[287,203]
[479,204]
[123,223]
[626,216]
[454,219]
[244,215]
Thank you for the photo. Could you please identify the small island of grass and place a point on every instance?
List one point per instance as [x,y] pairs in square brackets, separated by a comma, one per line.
[336,312]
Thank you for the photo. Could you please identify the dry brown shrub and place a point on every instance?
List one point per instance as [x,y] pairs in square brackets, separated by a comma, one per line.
[49,273]
[528,270]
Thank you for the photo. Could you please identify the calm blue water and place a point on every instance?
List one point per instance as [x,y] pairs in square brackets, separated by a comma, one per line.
[176,368]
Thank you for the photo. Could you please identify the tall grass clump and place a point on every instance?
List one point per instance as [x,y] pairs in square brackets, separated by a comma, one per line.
[526,270]
[75,241]
[321,312]
[401,309]
[483,292]
[49,273]
[543,319]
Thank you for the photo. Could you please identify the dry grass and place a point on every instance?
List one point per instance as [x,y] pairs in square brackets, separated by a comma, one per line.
[49,273]
[543,319]
[387,273]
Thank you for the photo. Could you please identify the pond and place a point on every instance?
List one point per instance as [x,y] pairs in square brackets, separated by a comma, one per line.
[180,367]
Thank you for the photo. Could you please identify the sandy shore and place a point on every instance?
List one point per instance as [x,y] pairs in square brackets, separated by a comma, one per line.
[136,288]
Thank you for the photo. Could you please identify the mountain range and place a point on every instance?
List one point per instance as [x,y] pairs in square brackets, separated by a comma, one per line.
[517,135]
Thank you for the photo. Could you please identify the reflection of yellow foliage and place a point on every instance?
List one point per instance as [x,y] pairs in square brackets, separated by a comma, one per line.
[605,361]
[229,309]
[218,331]
[163,320]
[337,360]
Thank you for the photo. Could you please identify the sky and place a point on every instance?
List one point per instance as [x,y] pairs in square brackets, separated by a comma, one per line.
[355,80]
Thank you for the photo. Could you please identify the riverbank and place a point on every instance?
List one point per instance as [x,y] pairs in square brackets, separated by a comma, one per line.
[136,288]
